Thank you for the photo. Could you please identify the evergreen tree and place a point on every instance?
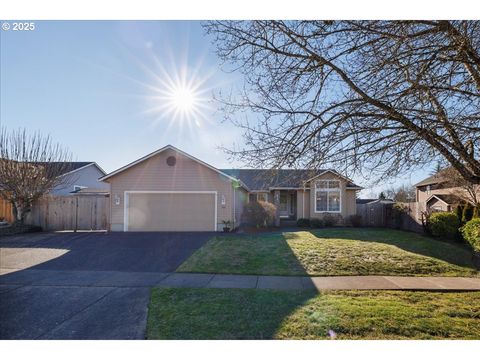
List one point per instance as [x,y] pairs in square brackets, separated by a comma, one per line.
[476,212]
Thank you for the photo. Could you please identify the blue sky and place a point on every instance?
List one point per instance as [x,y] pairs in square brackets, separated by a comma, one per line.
[91,86]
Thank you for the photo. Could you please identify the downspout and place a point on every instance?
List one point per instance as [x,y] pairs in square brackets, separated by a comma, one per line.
[233,208]
[303,201]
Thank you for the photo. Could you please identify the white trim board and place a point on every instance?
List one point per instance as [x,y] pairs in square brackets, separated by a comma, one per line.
[125,202]
[436,197]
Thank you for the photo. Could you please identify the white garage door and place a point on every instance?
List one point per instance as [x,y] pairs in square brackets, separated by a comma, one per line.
[157,211]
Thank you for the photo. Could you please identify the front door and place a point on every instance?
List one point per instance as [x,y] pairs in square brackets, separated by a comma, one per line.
[283,204]
[293,204]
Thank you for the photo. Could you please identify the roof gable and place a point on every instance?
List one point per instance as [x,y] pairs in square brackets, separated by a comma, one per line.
[170,147]
[447,199]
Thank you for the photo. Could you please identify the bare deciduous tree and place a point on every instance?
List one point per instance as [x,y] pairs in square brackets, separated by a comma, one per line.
[377,98]
[463,189]
[30,166]
[402,193]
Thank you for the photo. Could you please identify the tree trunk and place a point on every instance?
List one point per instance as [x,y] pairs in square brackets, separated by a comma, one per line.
[19,212]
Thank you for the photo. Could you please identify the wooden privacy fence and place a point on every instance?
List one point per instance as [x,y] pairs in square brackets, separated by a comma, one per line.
[381,214]
[374,214]
[87,212]
[6,210]
[411,216]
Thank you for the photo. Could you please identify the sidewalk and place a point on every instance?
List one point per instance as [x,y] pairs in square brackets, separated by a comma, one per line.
[320,283]
[141,279]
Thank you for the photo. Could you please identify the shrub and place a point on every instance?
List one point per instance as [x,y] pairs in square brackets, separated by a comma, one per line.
[467,213]
[303,222]
[471,233]
[259,214]
[444,224]
[329,220]
[316,223]
[355,220]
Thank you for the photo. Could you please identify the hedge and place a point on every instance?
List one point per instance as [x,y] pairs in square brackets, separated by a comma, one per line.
[471,233]
[444,224]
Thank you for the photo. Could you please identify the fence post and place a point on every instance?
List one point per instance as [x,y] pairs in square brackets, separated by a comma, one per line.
[76,214]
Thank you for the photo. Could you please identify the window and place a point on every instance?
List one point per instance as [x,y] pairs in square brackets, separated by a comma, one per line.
[429,189]
[328,196]
[262,197]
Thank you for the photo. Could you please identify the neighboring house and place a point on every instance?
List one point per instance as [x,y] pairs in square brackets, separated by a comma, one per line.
[78,176]
[170,190]
[434,194]
[365,201]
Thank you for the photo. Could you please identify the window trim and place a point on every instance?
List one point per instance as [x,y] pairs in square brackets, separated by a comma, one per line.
[328,190]
[264,196]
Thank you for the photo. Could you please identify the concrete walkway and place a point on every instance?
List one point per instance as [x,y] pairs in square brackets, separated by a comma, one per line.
[11,279]
[319,283]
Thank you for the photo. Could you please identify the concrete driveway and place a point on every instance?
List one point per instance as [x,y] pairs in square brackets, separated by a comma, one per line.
[85,285]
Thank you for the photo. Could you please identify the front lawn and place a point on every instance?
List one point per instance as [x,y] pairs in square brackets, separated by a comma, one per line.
[329,252]
[268,314]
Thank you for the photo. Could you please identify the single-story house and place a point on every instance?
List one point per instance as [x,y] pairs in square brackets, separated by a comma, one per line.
[170,190]
[80,175]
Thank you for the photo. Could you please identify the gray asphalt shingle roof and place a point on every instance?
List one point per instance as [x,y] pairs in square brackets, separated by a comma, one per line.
[66,166]
[434,179]
[263,179]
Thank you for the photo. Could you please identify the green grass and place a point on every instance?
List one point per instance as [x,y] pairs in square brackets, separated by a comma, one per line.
[330,252]
[268,314]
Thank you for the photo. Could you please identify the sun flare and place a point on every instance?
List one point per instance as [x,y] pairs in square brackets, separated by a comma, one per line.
[178,96]
[183,99]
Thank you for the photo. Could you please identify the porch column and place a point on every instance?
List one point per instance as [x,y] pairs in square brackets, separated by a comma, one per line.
[276,202]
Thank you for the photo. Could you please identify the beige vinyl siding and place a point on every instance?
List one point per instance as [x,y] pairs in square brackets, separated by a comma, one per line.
[241,198]
[423,195]
[350,202]
[154,174]
[303,210]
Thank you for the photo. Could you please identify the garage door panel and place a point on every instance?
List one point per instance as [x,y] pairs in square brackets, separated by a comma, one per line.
[171,212]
